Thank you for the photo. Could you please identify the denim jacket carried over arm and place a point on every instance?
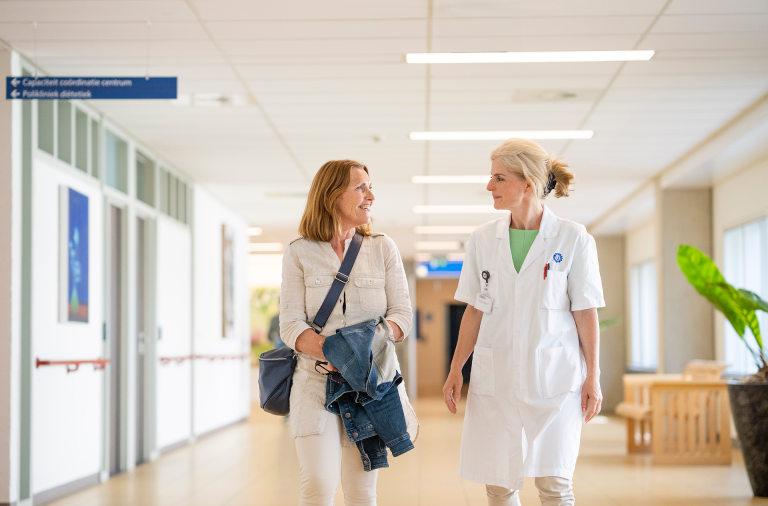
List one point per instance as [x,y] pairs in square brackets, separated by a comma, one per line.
[368,402]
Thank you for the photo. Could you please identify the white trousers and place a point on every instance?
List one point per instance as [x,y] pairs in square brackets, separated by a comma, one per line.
[323,460]
[553,491]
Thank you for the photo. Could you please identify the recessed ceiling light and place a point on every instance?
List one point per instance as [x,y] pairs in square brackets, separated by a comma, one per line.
[256,247]
[435,230]
[500,136]
[438,245]
[529,57]
[455,209]
[254,231]
[449,179]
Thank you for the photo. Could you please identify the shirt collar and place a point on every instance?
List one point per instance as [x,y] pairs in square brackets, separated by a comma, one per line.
[548,227]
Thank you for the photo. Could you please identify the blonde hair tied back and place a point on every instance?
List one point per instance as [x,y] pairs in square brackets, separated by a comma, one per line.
[529,162]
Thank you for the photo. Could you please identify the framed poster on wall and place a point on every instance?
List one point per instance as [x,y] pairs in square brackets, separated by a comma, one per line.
[73,256]
[227,281]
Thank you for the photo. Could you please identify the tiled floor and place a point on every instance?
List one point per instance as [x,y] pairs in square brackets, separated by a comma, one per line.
[254,464]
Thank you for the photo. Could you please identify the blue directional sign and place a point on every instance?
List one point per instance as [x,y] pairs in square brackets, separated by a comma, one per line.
[89,88]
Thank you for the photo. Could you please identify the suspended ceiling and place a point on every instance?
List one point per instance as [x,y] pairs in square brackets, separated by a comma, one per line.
[303,82]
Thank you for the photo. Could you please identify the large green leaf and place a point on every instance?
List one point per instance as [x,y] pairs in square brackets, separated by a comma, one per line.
[755,299]
[738,306]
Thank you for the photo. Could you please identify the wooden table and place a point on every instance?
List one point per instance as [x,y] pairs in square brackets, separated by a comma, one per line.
[679,421]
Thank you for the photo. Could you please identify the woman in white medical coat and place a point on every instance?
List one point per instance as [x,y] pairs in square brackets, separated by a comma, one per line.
[532,285]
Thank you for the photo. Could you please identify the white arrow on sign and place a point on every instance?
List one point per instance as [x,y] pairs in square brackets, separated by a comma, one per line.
[14,82]
[15,93]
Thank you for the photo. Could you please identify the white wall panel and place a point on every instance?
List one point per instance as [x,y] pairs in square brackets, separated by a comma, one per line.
[222,387]
[66,407]
[174,316]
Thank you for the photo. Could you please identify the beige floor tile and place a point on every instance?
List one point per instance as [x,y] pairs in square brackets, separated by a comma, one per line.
[254,464]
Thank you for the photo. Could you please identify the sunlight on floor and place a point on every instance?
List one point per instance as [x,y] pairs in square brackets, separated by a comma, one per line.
[254,464]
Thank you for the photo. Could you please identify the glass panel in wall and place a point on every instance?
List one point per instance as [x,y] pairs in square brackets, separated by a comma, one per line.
[116,163]
[95,146]
[172,196]
[644,316]
[81,140]
[64,130]
[182,199]
[744,267]
[145,179]
[163,191]
[45,125]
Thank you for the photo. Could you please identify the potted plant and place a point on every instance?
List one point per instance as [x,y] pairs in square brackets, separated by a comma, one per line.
[749,396]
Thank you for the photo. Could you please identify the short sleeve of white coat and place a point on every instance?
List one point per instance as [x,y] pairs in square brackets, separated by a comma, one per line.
[585,288]
[469,280]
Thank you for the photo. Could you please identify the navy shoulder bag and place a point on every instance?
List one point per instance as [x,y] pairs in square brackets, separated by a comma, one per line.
[276,366]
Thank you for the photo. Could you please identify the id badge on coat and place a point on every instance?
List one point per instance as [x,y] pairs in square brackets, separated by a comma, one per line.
[484,303]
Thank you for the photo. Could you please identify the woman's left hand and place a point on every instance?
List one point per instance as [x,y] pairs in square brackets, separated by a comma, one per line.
[591,397]
[397,332]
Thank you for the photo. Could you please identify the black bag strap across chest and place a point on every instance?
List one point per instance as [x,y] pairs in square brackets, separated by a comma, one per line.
[341,279]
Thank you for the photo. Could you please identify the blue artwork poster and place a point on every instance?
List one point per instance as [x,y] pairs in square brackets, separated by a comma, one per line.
[77,256]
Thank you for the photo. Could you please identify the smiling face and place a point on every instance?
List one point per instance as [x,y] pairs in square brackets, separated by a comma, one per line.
[354,205]
[509,192]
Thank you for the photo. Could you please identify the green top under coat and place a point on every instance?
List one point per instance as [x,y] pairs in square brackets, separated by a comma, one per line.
[520,242]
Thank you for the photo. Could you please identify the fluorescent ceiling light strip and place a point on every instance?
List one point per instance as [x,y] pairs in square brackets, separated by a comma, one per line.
[438,245]
[455,209]
[450,179]
[435,229]
[254,231]
[530,57]
[500,136]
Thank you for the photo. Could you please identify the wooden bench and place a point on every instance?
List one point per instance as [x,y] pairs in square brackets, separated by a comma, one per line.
[680,418]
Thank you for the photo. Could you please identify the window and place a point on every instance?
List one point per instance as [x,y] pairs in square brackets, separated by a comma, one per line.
[172,196]
[145,179]
[116,162]
[745,254]
[64,132]
[95,146]
[45,125]
[164,191]
[182,202]
[81,140]
[645,316]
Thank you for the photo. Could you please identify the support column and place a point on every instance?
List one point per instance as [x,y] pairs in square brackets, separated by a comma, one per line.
[613,354]
[10,284]
[686,332]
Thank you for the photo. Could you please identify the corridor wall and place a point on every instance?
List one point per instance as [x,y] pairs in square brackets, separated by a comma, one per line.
[66,408]
[174,318]
[222,387]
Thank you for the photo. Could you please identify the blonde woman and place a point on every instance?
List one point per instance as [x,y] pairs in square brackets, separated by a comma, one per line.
[339,204]
[532,285]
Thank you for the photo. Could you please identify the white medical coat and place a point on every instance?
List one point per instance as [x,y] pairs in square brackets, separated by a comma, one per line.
[523,414]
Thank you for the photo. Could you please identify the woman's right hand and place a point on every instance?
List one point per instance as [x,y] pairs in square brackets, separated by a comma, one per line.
[452,390]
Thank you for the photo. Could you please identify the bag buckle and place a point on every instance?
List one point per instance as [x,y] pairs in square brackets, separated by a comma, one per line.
[344,278]
[317,328]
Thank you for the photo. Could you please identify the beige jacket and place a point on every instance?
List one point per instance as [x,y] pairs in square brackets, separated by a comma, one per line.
[377,287]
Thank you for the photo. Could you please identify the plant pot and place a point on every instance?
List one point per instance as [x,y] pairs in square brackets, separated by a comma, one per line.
[749,405]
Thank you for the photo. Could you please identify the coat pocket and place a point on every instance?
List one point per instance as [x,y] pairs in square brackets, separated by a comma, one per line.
[553,291]
[559,370]
[316,287]
[373,297]
[482,381]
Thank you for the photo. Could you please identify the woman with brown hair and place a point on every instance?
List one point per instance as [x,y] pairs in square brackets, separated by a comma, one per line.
[338,205]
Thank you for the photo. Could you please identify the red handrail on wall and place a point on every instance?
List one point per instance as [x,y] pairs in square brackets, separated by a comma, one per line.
[73,365]
[178,360]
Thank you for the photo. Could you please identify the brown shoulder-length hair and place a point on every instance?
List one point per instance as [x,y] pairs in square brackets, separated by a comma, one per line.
[321,220]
